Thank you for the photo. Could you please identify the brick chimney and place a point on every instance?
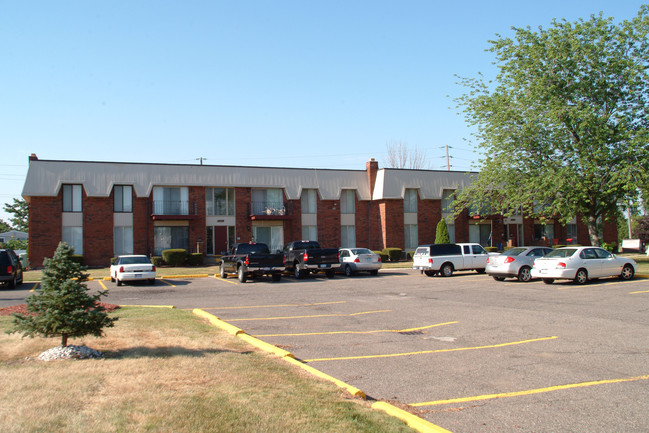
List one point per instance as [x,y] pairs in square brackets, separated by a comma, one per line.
[33,157]
[372,167]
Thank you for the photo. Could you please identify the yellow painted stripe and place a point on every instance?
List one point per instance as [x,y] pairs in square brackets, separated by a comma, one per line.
[34,288]
[530,391]
[425,352]
[635,293]
[225,280]
[101,283]
[305,317]
[243,307]
[166,282]
[356,332]
[419,424]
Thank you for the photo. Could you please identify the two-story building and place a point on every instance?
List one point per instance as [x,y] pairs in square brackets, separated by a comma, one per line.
[104,209]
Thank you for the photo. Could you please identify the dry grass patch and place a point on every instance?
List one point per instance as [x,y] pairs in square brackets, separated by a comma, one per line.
[169,371]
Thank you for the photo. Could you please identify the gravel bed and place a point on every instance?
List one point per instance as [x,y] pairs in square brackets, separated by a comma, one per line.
[69,352]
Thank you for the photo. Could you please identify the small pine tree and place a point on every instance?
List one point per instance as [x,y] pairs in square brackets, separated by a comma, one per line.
[62,307]
[441,236]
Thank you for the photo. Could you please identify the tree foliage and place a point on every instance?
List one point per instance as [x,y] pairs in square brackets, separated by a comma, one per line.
[441,235]
[642,230]
[62,307]
[20,211]
[564,127]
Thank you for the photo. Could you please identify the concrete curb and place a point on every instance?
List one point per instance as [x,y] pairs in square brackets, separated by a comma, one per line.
[413,421]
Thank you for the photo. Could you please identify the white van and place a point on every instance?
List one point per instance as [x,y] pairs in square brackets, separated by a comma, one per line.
[447,258]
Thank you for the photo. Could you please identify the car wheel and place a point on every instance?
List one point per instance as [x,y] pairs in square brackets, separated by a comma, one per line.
[430,273]
[447,270]
[548,280]
[581,276]
[481,270]
[12,283]
[330,273]
[242,275]
[152,281]
[525,274]
[348,271]
[299,274]
[277,276]
[374,272]
[223,273]
[112,280]
[119,283]
[627,273]
[20,281]
[499,278]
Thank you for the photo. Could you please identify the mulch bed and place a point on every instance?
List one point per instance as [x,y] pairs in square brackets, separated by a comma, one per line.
[22,309]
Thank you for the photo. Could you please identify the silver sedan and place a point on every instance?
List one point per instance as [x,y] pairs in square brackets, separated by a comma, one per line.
[353,260]
[515,263]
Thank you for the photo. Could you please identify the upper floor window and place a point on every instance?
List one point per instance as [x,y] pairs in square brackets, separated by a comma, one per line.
[268,201]
[309,201]
[219,201]
[447,200]
[123,198]
[72,195]
[410,201]
[348,201]
[170,200]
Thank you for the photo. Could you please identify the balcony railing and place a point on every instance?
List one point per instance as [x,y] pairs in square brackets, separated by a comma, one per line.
[268,208]
[178,208]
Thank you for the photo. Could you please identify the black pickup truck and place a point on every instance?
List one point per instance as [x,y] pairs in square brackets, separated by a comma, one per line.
[252,260]
[303,257]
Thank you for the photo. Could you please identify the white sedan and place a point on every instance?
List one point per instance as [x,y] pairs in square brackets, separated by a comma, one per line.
[581,264]
[132,268]
[353,260]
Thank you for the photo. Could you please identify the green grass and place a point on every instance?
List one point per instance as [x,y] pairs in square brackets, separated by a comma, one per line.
[169,371]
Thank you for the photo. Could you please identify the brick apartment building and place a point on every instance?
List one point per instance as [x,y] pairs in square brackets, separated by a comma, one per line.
[108,208]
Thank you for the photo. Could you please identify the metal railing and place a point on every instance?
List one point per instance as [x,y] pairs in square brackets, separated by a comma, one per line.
[268,208]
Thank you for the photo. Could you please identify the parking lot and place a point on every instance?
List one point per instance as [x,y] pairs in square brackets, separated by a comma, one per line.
[469,353]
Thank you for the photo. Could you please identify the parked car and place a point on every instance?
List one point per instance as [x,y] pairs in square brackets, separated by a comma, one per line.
[581,264]
[305,257]
[252,260]
[11,270]
[447,258]
[354,260]
[132,268]
[515,263]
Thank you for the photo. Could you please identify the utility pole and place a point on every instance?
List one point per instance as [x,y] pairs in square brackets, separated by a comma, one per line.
[201,159]
[448,158]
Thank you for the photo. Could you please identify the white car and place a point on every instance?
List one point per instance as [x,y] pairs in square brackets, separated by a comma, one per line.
[353,260]
[581,264]
[515,263]
[132,268]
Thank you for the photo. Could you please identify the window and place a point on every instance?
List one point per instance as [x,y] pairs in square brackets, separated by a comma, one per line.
[348,236]
[165,238]
[543,231]
[480,234]
[170,200]
[268,202]
[410,236]
[219,201]
[309,201]
[123,240]
[348,201]
[571,233]
[219,239]
[123,198]
[310,233]
[410,201]
[72,198]
[273,236]
[451,232]
[447,200]
[73,236]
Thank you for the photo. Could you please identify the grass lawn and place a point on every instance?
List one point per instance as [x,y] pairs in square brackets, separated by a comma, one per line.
[169,371]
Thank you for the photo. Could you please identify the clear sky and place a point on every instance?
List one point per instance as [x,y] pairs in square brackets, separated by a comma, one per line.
[324,84]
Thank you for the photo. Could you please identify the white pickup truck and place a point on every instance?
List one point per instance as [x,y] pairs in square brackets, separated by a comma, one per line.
[447,258]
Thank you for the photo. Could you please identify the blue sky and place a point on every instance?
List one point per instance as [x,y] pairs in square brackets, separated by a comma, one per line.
[264,83]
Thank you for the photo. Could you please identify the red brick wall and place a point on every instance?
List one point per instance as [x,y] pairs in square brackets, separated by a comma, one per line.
[45,228]
[429,214]
[293,226]
[142,226]
[392,229]
[243,199]
[197,231]
[97,230]
[329,223]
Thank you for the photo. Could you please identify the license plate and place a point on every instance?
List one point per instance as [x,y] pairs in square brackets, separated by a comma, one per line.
[266,269]
[138,275]
[324,266]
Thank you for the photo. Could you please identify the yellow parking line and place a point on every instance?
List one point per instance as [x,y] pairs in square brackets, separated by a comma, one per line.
[166,282]
[425,352]
[355,332]
[529,392]
[305,317]
[225,280]
[34,288]
[101,283]
[642,291]
[243,307]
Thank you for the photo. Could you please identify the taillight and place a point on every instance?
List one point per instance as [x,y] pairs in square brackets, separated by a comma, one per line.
[152,268]
[561,265]
[378,258]
[10,269]
[357,260]
[306,256]
[121,268]
[284,260]
[509,259]
[247,261]
[430,261]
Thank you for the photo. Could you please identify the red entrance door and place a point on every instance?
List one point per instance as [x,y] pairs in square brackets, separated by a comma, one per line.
[220,239]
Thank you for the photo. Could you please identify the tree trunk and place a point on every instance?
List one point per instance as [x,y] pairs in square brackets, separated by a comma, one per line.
[64,340]
[591,221]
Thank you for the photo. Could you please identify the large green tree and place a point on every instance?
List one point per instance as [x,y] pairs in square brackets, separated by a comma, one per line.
[19,211]
[563,129]
[62,307]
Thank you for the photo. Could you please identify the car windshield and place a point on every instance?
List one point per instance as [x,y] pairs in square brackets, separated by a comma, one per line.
[514,251]
[134,260]
[358,251]
[561,252]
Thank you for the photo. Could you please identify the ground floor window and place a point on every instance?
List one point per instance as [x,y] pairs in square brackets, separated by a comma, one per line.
[73,236]
[480,234]
[220,239]
[410,236]
[123,240]
[273,236]
[165,238]
[310,233]
[571,233]
[348,236]
[543,232]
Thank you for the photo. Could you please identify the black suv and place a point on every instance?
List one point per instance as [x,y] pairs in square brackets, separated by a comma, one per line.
[11,270]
